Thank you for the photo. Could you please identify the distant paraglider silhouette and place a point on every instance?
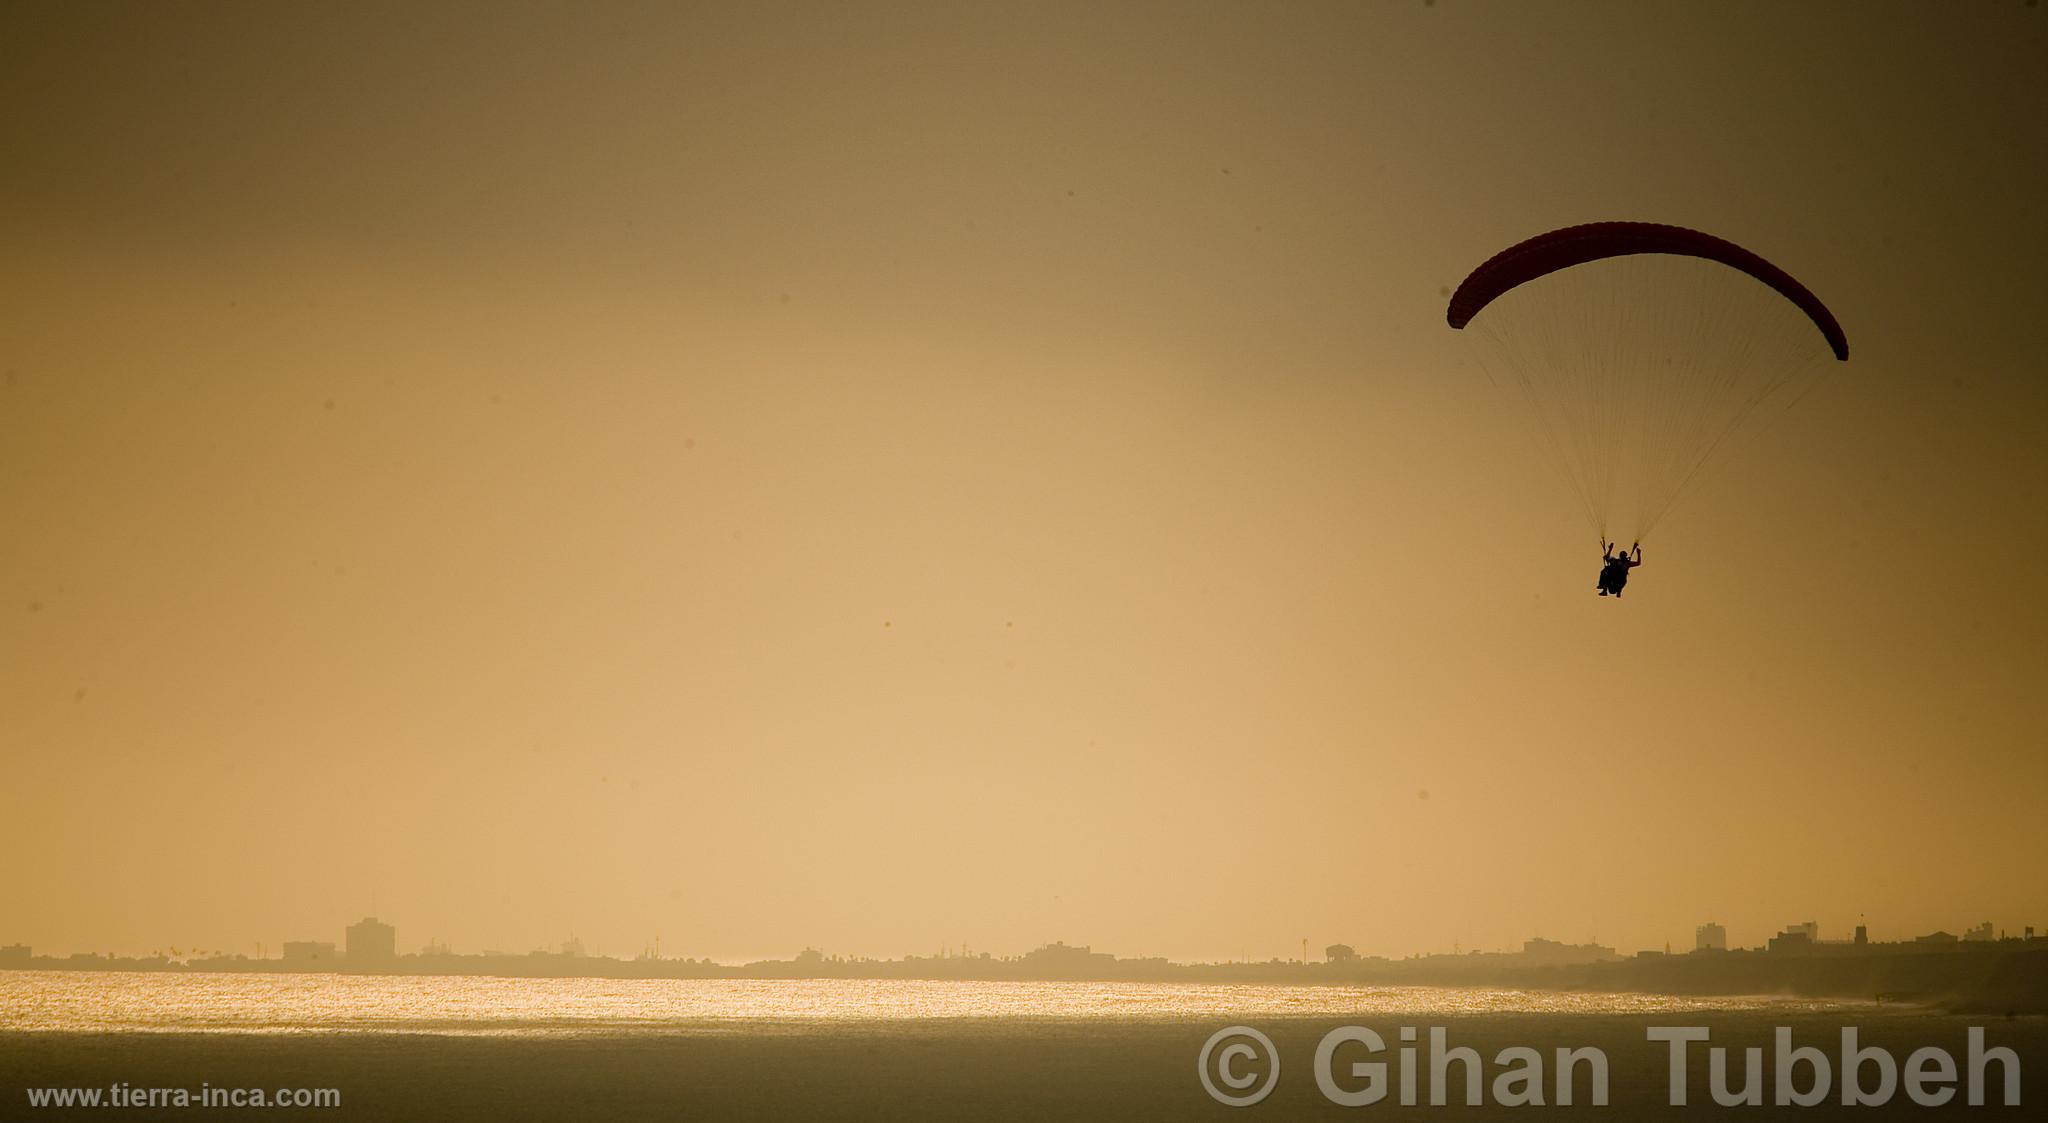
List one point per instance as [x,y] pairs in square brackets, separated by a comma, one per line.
[1638,351]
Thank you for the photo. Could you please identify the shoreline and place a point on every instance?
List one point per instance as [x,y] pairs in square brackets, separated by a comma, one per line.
[1992,979]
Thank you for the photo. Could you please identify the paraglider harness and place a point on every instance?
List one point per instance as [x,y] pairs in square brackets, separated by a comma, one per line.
[1614,573]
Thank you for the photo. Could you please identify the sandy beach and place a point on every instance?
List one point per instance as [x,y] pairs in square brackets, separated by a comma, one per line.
[1004,1069]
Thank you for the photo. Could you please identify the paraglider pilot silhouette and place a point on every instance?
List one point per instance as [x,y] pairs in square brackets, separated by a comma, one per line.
[1614,567]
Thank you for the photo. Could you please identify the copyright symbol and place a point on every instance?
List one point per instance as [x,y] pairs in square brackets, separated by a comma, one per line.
[1232,1066]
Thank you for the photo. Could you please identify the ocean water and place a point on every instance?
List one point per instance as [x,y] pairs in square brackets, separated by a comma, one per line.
[400,1048]
[150,1002]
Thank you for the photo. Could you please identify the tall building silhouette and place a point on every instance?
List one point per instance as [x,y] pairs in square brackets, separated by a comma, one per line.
[371,941]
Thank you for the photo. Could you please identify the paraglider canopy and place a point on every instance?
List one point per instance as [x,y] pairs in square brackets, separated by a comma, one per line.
[1577,245]
[1639,351]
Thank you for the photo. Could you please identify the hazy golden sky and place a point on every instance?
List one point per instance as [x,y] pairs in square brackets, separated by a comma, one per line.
[883,476]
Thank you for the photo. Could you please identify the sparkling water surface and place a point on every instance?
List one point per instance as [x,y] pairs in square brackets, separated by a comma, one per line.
[94,1001]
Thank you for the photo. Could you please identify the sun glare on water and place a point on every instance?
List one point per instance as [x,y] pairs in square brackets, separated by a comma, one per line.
[120,1002]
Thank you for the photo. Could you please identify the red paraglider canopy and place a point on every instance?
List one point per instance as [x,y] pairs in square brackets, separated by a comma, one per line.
[1576,245]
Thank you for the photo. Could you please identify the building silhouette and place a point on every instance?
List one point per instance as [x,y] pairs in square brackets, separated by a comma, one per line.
[371,941]
[1540,950]
[310,951]
[1710,937]
[1795,938]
